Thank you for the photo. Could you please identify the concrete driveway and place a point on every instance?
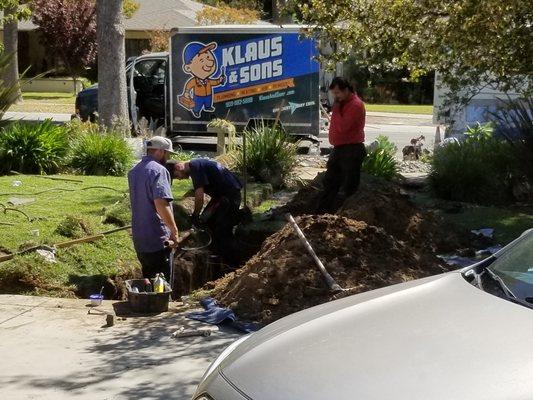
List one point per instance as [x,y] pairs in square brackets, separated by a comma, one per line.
[53,349]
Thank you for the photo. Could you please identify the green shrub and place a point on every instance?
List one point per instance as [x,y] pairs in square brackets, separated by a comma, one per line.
[515,122]
[477,170]
[32,148]
[270,155]
[101,154]
[381,159]
[184,155]
[77,128]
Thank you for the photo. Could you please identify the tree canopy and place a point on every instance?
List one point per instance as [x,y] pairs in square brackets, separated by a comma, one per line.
[22,10]
[224,14]
[68,29]
[468,42]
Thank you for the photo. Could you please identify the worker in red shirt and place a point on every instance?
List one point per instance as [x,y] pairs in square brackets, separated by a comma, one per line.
[347,136]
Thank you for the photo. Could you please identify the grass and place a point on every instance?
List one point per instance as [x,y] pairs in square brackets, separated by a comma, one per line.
[61,97]
[508,223]
[80,268]
[46,102]
[400,108]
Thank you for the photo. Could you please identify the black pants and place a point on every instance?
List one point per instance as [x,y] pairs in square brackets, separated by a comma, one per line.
[154,263]
[343,175]
[221,215]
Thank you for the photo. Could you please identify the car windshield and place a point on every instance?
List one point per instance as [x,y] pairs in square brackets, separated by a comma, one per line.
[515,268]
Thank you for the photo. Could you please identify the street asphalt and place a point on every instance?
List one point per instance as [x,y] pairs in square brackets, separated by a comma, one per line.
[400,128]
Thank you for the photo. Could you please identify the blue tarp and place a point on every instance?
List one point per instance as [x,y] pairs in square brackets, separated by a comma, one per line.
[214,314]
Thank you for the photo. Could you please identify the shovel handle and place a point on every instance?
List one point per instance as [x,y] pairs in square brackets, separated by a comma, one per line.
[332,285]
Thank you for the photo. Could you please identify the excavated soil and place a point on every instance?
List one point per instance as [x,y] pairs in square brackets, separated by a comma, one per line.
[282,278]
[386,205]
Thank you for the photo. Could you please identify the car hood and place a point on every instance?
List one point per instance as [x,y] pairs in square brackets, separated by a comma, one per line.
[435,338]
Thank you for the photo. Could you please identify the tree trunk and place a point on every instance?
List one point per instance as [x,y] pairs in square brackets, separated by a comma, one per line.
[11,75]
[112,98]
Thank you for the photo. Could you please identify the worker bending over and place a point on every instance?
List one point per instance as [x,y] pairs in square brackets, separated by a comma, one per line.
[347,136]
[152,219]
[222,212]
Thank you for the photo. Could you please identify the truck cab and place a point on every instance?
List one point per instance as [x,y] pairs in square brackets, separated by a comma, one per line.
[147,86]
[147,91]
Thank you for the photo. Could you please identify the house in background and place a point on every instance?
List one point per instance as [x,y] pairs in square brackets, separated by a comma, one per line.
[152,16]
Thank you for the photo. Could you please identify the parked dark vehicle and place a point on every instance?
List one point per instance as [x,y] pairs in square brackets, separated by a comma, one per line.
[87,99]
[87,104]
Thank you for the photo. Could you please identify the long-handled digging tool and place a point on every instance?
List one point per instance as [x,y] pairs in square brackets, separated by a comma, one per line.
[333,286]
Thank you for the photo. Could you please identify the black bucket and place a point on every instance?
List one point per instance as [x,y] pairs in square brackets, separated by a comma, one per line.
[147,303]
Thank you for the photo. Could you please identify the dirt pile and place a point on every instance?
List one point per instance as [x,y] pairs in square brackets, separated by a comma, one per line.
[384,204]
[282,278]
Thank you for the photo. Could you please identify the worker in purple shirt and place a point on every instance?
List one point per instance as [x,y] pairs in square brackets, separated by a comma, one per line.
[151,209]
[221,214]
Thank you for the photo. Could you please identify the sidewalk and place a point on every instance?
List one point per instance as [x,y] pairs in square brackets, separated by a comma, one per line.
[52,349]
[426,117]
[36,116]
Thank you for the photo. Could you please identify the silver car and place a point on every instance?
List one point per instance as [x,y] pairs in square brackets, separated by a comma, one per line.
[464,335]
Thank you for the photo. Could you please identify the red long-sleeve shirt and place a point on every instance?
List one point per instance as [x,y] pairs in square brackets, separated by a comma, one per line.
[347,124]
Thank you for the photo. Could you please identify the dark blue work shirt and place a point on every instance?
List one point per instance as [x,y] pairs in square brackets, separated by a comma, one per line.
[215,179]
[148,180]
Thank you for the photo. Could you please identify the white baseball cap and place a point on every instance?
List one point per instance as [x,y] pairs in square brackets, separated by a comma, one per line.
[160,143]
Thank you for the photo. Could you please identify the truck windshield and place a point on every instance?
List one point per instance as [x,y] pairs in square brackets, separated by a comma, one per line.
[515,268]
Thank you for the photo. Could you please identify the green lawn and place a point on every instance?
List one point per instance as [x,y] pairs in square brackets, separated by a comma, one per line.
[400,108]
[62,97]
[508,223]
[62,103]
[81,268]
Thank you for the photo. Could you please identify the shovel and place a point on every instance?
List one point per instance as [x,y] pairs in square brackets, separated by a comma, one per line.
[333,286]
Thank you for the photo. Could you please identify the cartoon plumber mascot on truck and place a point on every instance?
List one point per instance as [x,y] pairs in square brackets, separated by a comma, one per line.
[200,62]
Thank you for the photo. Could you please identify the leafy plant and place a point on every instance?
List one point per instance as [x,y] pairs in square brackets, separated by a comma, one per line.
[224,14]
[479,171]
[32,148]
[159,40]
[101,154]
[515,122]
[184,155]
[479,132]
[381,159]
[270,155]
[77,128]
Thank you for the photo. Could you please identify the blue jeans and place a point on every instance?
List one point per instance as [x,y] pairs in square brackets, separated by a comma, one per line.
[202,102]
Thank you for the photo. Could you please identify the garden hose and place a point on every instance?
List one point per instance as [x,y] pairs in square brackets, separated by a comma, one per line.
[62,190]
[203,246]
[6,209]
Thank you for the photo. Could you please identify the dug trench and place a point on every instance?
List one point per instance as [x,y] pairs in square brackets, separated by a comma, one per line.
[378,237]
